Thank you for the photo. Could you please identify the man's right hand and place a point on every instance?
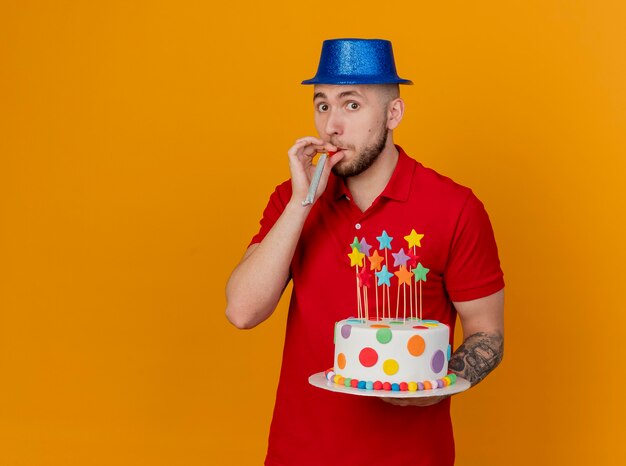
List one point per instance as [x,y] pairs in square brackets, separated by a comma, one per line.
[301,166]
[252,297]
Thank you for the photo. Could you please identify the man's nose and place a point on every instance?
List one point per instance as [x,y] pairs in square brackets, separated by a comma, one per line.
[334,123]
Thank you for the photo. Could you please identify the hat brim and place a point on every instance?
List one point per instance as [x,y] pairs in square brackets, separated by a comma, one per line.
[356,80]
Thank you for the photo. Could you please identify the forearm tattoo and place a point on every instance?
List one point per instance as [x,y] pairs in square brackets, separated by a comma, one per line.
[479,354]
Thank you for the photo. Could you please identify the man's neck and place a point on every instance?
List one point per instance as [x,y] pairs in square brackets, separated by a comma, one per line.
[367,186]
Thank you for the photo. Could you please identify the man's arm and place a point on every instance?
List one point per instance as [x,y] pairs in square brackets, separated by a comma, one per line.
[483,346]
[483,330]
[252,295]
[255,286]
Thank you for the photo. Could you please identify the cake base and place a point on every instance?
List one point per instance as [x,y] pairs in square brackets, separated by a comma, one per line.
[319,380]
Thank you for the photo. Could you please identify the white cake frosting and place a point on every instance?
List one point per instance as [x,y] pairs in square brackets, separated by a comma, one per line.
[392,351]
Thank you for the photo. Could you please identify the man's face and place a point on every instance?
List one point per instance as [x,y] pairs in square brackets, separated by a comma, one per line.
[353,118]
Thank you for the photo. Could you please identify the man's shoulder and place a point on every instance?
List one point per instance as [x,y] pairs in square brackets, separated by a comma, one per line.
[431,183]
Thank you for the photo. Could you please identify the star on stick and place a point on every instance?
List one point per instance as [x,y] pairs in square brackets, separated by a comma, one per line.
[420,272]
[399,258]
[356,244]
[365,277]
[404,276]
[384,276]
[384,240]
[414,239]
[412,262]
[365,248]
[356,257]
[375,260]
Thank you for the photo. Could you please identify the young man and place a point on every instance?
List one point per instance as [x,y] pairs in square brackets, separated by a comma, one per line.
[368,186]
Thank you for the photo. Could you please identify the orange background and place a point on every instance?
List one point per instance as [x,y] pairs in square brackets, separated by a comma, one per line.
[139,142]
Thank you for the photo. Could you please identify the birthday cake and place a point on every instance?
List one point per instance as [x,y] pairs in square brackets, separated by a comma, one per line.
[405,355]
[374,351]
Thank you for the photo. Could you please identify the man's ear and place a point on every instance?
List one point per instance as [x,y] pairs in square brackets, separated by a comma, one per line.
[395,112]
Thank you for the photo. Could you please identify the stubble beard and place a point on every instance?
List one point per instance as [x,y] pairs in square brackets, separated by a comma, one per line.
[365,159]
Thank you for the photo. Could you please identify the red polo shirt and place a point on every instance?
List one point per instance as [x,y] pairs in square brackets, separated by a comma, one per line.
[312,426]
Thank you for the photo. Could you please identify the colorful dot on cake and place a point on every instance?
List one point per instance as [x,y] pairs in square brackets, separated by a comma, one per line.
[390,366]
[341,361]
[420,386]
[347,382]
[346,330]
[369,385]
[404,386]
[378,385]
[379,326]
[387,386]
[421,327]
[368,357]
[416,345]
[412,386]
[452,378]
[427,385]
[437,361]
[395,387]
[330,374]
[396,322]
[383,335]
[449,352]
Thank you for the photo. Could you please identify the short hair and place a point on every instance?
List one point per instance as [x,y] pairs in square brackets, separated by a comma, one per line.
[389,92]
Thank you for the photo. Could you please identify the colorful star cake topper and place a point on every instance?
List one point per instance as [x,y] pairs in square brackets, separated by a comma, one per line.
[356,257]
[414,239]
[420,272]
[365,248]
[404,276]
[376,279]
[365,277]
[384,240]
[399,258]
[412,262]
[384,276]
[375,260]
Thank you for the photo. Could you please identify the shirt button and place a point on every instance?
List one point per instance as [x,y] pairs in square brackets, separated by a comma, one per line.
[357,226]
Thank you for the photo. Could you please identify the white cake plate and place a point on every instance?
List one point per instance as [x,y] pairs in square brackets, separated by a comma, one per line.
[319,380]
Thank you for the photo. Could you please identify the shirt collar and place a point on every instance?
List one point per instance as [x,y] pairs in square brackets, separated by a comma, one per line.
[398,187]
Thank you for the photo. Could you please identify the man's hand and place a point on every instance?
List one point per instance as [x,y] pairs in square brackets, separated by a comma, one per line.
[301,165]
[483,324]
[421,401]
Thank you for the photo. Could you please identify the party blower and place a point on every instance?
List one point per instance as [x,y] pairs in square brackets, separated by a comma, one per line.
[317,175]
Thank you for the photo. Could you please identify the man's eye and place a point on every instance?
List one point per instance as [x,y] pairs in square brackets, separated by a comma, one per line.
[322,107]
[353,106]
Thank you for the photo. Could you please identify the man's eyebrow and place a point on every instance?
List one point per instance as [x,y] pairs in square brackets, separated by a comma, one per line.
[349,94]
[342,95]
